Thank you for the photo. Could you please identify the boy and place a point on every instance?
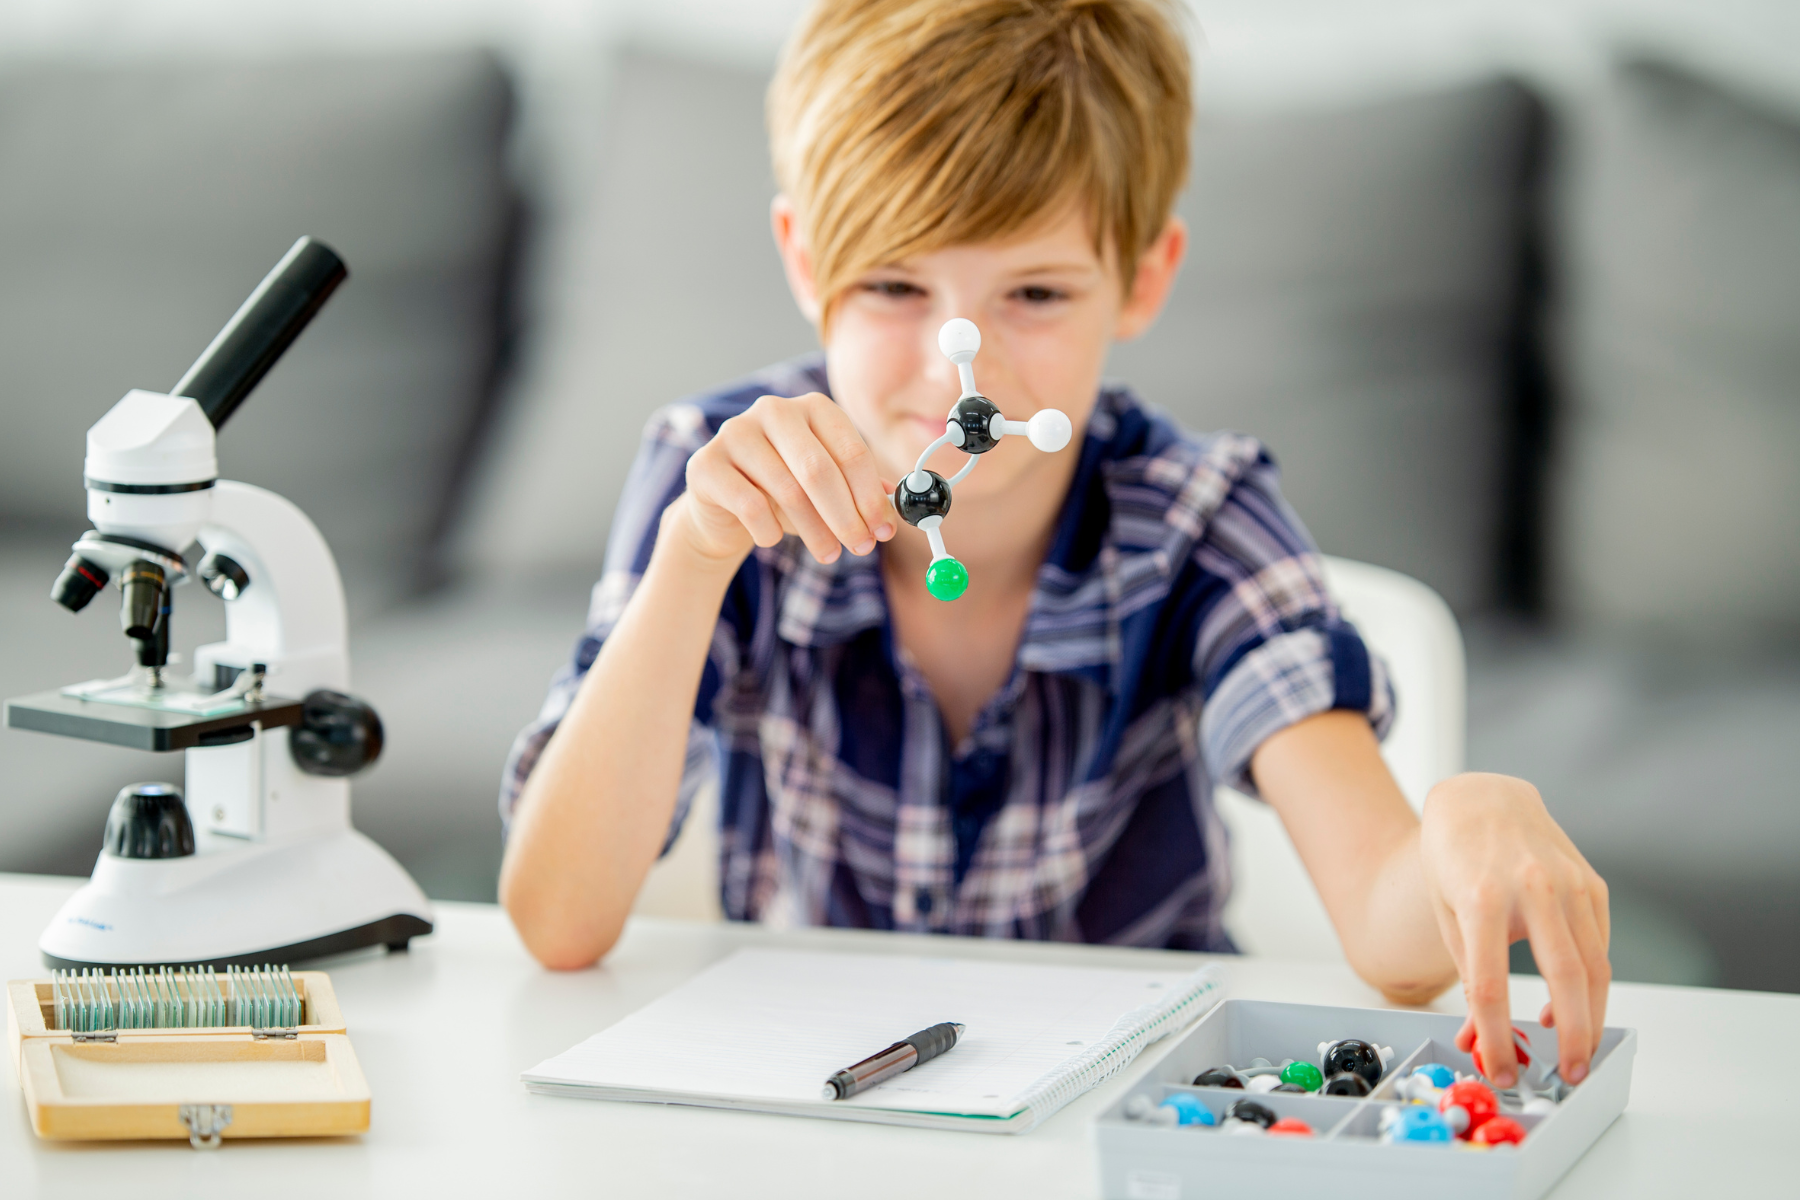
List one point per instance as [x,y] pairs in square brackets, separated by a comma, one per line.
[1147,618]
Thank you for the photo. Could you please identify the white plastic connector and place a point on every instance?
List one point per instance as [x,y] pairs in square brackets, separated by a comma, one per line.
[961,341]
[934,535]
[1050,430]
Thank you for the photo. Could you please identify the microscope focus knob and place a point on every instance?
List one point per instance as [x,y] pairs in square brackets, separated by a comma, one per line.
[337,734]
[149,820]
[224,576]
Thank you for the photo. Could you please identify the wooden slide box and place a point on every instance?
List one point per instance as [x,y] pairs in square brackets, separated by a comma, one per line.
[154,1083]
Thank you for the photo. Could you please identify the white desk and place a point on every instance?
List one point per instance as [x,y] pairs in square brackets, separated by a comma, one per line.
[443,1032]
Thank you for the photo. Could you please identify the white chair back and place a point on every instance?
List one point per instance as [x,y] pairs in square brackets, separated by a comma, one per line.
[1274,910]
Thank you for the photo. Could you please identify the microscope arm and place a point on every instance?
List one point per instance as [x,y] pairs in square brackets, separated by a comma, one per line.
[289,613]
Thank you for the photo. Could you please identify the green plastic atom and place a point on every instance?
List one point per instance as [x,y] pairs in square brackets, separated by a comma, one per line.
[1302,1074]
[946,579]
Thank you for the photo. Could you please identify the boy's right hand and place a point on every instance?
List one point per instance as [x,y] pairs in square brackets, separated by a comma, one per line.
[784,466]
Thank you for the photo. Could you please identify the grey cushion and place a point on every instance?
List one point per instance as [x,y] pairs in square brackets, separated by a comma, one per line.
[1672,769]
[1350,298]
[143,202]
[676,288]
[1678,490]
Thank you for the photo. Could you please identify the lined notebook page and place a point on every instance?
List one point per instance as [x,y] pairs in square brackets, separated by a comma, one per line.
[769,1026]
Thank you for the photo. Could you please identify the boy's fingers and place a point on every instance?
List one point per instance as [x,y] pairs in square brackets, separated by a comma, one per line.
[745,501]
[1565,970]
[1484,986]
[1591,943]
[758,460]
[812,464]
[1601,900]
[835,430]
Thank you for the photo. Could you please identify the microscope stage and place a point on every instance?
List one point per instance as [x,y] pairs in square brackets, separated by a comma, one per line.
[143,727]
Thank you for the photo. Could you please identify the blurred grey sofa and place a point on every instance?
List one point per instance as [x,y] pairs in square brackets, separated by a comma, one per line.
[1540,357]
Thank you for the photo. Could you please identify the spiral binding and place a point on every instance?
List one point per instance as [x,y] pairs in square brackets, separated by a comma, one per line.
[1134,1031]
[95,1000]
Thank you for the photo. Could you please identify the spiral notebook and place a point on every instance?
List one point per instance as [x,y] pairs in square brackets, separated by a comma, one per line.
[762,1030]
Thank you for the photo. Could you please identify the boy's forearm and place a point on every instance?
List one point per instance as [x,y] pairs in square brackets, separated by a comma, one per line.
[1359,840]
[1400,948]
[595,812]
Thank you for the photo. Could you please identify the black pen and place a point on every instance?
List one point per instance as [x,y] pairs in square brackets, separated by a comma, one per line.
[903,1055]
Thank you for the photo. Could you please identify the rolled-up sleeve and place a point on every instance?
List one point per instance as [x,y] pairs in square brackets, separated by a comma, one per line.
[657,477]
[1273,649]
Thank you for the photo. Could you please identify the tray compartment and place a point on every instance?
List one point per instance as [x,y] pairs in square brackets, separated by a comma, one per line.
[1365,1125]
[1324,1113]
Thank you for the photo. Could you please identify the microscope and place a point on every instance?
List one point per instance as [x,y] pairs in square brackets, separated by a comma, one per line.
[258,862]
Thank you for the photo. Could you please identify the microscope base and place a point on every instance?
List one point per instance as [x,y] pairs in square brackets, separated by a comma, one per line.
[395,932]
[254,902]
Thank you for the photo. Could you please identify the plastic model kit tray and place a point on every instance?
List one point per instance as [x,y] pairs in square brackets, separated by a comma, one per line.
[1346,1158]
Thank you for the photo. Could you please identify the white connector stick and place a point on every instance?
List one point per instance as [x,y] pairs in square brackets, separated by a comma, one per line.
[919,483]
[1050,430]
[935,536]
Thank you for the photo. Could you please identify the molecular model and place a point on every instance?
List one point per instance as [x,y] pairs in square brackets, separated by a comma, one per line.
[975,426]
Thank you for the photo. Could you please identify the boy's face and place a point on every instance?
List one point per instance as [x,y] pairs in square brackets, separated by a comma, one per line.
[1048,306]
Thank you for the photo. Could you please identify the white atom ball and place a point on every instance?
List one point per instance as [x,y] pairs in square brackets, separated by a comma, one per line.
[959,339]
[1050,430]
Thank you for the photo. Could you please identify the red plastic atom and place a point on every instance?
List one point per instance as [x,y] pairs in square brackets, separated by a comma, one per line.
[1476,1099]
[1521,1050]
[1499,1131]
[1291,1127]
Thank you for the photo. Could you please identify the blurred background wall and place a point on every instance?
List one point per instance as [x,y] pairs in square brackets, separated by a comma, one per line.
[1512,290]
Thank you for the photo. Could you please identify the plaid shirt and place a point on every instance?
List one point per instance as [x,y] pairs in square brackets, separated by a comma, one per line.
[1179,619]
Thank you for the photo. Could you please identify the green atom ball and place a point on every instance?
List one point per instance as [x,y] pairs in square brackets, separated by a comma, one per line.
[1302,1074]
[946,579]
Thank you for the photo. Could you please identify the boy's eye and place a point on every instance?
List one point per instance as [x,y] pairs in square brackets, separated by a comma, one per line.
[1037,294]
[897,289]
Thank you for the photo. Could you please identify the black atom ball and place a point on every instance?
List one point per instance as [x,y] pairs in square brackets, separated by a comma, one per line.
[1218,1077]
[976,416]
[914,507]
[1346,1083]
[1353,1054]
[1290,1087]
[1250,1110]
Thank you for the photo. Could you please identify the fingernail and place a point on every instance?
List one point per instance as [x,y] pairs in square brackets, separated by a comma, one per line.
[862,548]
[883,532]
[1506,1079]
[1576,1073]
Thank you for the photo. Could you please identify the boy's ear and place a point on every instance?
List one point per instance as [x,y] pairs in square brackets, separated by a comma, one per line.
[1155,279]
[796,261]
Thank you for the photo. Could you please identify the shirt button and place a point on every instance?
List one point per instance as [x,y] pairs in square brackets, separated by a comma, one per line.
[922,901]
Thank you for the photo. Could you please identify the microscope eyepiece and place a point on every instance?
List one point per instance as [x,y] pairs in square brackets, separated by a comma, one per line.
[145,589]
[261,331]
[79,583]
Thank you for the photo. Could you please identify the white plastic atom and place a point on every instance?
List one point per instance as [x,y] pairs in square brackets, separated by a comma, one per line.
[1050,430]
[960,340]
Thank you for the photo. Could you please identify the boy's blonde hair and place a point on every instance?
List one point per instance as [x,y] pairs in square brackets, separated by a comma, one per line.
[900,127]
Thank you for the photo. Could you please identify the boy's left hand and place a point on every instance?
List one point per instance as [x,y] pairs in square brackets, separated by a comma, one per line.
[1499,868]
